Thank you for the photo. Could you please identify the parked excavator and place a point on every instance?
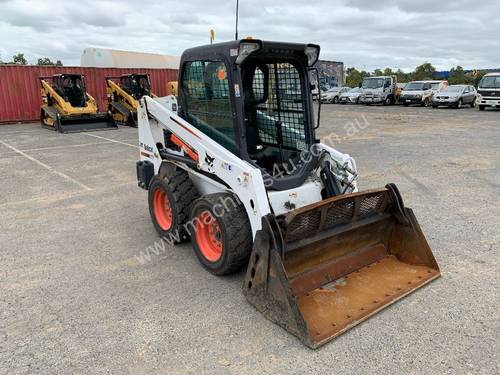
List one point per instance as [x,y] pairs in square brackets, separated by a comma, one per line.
[234,164]
[67,107]
[124,93]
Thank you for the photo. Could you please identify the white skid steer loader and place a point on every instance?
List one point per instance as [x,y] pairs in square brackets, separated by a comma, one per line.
[234,164]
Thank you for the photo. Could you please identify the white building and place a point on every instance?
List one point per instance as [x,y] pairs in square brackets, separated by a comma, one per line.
[109,58]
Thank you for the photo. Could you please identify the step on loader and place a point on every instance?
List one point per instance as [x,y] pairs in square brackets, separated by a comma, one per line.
[67,107]
[124,93]
[234,164]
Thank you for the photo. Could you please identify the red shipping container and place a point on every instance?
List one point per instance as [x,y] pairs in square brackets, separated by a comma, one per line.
[20,97]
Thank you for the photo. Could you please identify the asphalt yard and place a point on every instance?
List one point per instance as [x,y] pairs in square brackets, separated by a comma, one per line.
[84,289]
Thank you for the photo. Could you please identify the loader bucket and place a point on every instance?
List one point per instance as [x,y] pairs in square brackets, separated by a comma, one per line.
[73,124]
[324,268]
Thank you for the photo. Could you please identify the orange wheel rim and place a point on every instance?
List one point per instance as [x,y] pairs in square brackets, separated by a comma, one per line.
[162,209]
[208,236]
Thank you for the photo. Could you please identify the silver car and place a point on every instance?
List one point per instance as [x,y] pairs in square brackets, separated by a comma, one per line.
[332,95]
[455,96]
[351,96]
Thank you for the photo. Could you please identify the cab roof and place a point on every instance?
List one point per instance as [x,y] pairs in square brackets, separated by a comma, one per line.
[230,49]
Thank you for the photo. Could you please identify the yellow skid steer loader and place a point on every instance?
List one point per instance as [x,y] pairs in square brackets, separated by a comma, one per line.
[67,107]
[234,164]
[124,93]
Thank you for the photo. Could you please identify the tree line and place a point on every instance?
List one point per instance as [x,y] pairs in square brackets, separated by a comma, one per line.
[20,59]
[422,72]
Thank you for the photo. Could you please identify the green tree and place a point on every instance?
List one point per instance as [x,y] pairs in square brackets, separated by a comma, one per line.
[19,59]
[354,77]
[388,72]
[402,76]
[424,72]
[59,63]
[458,76]
[477,77]
[44,61]
[377,72]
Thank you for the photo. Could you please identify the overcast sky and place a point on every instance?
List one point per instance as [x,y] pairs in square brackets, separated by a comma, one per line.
[366,34]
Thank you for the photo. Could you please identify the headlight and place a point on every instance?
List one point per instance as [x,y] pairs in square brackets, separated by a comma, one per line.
[479,97]
[246,48]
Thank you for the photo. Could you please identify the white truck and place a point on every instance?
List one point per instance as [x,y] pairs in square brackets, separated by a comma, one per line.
[379,90]
[488,92]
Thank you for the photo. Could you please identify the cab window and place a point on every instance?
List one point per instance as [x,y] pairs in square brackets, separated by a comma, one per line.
[207,103]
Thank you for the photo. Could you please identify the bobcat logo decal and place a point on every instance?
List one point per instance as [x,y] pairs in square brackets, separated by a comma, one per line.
[209,160]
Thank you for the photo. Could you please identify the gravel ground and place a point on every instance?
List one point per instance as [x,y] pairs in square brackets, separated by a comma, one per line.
[75,296]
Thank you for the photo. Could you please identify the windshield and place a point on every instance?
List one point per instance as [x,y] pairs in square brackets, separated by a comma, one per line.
[355,90]
[333,89]
[373,83]
[491,82]
[414,86]
[435,86]
[454,89]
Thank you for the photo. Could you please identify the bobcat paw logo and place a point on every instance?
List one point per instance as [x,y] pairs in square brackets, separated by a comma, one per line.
[209,160]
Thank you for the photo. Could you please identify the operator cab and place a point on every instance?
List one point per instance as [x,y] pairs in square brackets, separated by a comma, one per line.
[254,98]
[136,85]
[71,87]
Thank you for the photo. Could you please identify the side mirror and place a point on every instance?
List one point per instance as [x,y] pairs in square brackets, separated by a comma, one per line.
[314,81]
[360,85]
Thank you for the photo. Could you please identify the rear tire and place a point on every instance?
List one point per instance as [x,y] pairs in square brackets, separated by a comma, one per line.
[222,238]
[170,199]
[335,100]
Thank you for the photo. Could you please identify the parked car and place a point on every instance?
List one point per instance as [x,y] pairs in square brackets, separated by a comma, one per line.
[332,95]
[351,96]
[379,90]
[421,92]
[455,96]
[489,91]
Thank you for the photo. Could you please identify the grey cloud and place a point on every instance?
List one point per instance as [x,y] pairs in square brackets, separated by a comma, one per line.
[362,33]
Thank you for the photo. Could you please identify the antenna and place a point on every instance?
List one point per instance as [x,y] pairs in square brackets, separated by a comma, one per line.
[237,11]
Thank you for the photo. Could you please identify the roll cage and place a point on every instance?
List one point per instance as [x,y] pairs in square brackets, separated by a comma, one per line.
[254,98]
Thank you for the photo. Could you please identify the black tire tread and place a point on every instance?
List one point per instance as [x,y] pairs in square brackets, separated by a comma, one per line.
[238,233]
[184,194]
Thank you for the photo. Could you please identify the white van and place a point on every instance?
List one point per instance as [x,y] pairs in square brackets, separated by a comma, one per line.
[421,92]
[488,91]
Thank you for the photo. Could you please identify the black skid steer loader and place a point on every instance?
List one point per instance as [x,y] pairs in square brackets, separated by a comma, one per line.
[234,164]
[67,107]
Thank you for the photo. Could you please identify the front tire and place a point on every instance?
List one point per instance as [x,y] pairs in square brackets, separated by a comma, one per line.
[482,107]
[222,238]
[335,100]
[460,104]
[170,199]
